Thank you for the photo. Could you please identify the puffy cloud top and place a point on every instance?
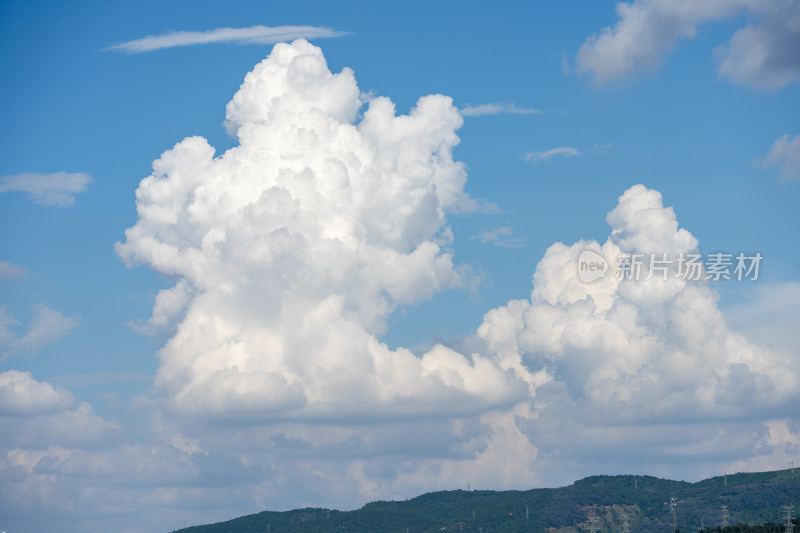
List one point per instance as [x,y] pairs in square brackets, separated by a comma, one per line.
[294,80]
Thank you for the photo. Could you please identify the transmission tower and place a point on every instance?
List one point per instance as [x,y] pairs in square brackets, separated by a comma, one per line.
[789,523]
[673,504]
[593,527]
[725,515]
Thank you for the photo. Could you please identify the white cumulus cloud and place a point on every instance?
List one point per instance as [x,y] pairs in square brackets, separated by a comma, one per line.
[20,394]
[777,447]
[293,247]
[251,35]
[764,54]
[638,350]
[56,189]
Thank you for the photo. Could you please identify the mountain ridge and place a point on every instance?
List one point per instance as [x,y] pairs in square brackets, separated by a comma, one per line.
[644,501]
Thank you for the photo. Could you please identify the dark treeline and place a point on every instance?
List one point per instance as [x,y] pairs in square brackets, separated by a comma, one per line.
[638,504]
[769,527]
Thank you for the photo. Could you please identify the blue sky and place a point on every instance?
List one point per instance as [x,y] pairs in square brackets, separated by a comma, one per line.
[565,107]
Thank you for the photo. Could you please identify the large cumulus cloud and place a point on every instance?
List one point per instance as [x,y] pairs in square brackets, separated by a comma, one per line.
[291,249]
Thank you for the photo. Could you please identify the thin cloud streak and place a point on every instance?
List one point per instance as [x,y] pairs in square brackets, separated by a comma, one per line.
[496,109]
[252,35]
[566,151]
[46,326]
[57,189]
[501,236]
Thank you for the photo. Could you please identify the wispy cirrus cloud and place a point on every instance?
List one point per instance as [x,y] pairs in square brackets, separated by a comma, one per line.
[566,151]
[252,35]
[55,189]
[545,155]
[46,326]
[602,148]
[497,109]
[502,236]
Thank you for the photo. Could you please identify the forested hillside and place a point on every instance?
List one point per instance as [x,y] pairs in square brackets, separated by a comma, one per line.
[640,504]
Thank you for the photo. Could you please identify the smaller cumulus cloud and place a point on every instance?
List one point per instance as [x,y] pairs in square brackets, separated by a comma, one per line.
[642,34]
[497,109]
[765,55]
[20,394]
[56,189]
[762,55]
[252,35]
[785,154]
[636,351]
[10,271]
[546,155]
[778,446]
[46,326]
